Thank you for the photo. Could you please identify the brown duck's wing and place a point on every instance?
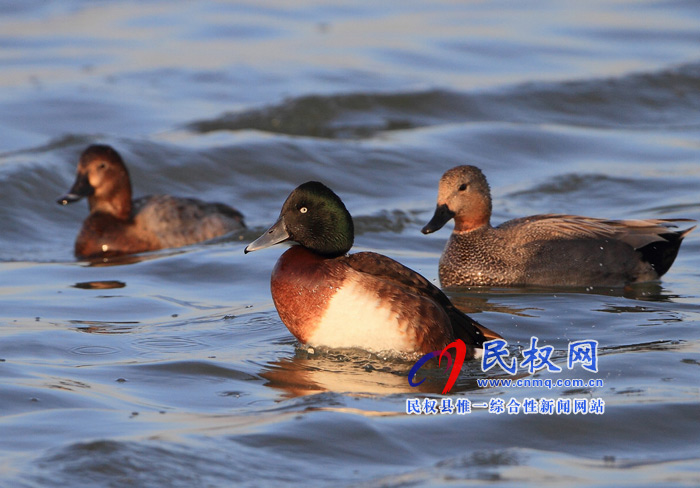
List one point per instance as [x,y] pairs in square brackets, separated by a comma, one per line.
[398,275]
[636,233]
[182,221]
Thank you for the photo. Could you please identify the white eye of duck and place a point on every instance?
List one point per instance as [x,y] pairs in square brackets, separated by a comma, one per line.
[303,209]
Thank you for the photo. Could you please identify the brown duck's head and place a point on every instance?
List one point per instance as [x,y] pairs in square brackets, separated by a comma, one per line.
[103,178]
[464,195]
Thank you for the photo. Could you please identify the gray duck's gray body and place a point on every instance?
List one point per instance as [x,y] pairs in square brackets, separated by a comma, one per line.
[544,250]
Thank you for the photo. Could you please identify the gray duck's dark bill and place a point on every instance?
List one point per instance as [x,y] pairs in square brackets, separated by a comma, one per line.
[441,216]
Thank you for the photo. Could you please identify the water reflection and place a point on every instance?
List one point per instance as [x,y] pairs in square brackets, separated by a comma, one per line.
[99,327]
[359,373]
[471,300]
[100,285]
[306,374]
[131,258]
[487,299]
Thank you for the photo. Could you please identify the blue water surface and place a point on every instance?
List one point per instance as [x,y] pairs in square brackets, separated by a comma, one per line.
[172,368]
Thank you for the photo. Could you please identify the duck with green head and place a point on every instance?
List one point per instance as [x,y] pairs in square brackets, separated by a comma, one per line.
[327,297]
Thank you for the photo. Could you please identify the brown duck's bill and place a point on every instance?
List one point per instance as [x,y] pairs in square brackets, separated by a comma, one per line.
[274,235]
[441,216]
[68,198]
[81,188]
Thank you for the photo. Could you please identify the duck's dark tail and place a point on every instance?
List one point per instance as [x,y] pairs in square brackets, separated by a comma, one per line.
[661,254]
[469,330]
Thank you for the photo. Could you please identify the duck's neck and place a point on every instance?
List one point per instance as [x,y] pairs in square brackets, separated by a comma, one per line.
[471,222]
[117,204]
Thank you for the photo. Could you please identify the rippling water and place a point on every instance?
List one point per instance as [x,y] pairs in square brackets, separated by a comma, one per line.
[173,368]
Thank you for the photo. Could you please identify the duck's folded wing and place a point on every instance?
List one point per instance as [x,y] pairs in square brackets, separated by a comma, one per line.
[385,268]
[183,221]
[636,233]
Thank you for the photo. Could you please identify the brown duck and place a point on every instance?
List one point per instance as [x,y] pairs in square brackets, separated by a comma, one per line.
[119,225]
[550,249]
